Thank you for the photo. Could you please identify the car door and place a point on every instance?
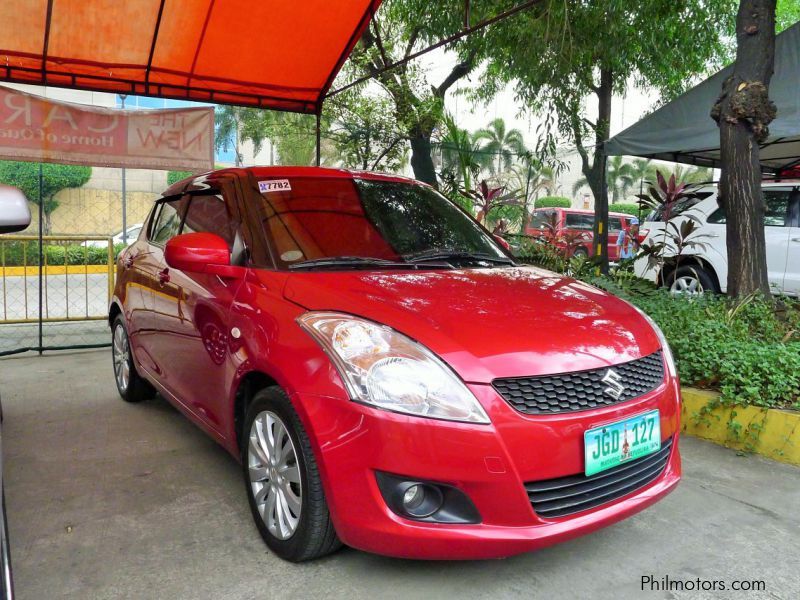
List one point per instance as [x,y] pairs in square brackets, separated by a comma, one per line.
[142,261]
[191,334]
[791,282]
[777,233]
[615,225]
[577,231]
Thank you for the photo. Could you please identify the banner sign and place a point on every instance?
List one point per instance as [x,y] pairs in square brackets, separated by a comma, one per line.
[39,129]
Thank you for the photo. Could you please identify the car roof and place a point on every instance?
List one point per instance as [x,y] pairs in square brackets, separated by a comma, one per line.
[274,172]
[583,211]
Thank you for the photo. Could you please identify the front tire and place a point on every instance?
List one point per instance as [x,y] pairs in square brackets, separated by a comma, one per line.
[283,485]
[691,281]
[130,385]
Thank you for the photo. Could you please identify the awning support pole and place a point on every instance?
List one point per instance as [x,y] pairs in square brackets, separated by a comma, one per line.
[319,135]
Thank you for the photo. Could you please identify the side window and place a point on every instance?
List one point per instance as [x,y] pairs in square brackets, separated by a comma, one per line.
[777,212]
[579,221]
[167,220]
[614,225]
[777,207]
[209,213]
[717,217]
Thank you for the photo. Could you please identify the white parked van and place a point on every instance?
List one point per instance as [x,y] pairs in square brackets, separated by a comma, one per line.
[705,267]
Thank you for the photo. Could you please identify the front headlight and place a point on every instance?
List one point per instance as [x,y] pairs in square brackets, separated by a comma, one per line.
[665,349]
[386,369]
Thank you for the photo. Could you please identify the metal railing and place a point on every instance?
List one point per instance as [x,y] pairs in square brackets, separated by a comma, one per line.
[50,280]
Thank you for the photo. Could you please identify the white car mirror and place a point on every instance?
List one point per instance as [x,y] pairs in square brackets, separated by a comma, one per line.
[14,212]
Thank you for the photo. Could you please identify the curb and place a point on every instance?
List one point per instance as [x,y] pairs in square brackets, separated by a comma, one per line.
[770,432]
[53,270]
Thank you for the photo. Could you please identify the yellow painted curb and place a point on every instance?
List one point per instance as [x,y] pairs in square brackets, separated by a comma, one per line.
[53,270]
[770,432]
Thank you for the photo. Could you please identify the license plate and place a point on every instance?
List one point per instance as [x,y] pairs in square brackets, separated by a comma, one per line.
[611,445]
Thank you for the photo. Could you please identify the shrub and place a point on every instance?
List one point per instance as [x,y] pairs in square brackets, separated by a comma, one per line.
[55,177]
[745,349]
[18,254]
[622,207]
[741,348]
[553,202]
[176,176]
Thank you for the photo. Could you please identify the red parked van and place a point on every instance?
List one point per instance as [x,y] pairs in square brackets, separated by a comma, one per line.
[388,377]
[572,229]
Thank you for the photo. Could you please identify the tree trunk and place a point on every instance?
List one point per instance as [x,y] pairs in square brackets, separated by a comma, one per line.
[422,159]
[596,174]
[743,113]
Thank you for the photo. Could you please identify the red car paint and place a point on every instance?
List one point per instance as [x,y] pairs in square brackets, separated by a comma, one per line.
[573,229]
[198,336]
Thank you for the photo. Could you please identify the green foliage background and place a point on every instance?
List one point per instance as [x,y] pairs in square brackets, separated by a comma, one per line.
[624,207]
[553,202]
[25,176]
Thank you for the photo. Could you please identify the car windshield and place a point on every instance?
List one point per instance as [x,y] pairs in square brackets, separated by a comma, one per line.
[329,222]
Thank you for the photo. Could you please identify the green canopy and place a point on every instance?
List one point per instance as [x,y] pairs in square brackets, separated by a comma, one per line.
[683,131]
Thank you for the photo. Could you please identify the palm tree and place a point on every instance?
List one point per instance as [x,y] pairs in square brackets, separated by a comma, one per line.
[683,174]
[531,178]
[461,155]
[620,177]
[505,144]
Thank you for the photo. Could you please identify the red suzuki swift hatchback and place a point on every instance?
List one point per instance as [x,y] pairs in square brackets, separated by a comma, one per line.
[388,376]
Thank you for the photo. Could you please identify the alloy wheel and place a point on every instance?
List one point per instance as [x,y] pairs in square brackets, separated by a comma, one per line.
[120,351]
[686,286]
[274,475]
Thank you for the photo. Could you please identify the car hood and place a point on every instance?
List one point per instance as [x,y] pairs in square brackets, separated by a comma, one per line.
[489,323]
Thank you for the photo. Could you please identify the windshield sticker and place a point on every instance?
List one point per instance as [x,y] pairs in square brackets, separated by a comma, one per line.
[274,185]
[291,255]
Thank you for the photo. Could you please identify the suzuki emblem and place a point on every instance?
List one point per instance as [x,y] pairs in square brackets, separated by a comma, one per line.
[615,388]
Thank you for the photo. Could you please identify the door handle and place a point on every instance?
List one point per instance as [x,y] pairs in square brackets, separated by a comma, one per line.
[712,235]
[163,276]
[797,239]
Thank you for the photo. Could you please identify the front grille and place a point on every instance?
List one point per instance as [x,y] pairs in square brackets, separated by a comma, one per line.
[581,390]
[567,495]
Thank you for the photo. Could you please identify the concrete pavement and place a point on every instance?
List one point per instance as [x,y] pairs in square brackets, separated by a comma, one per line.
[109,500]
[64,296]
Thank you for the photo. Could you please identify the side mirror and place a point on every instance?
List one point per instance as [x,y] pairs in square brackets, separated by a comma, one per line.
[500,240]
[14,212]
[198,253]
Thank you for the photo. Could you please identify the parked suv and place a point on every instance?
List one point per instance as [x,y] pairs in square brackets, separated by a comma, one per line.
[386,374]
[704,267]
[572,229]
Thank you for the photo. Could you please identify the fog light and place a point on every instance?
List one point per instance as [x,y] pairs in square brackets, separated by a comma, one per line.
[426,501]
[413,497]
[421,500]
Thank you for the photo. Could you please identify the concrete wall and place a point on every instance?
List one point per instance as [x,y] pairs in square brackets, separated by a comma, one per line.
[86,211]
[137,180]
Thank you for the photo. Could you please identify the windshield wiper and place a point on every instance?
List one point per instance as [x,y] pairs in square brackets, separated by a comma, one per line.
[355,262]
[448,255]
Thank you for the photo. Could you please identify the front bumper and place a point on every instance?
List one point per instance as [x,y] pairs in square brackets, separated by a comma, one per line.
[489,463]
